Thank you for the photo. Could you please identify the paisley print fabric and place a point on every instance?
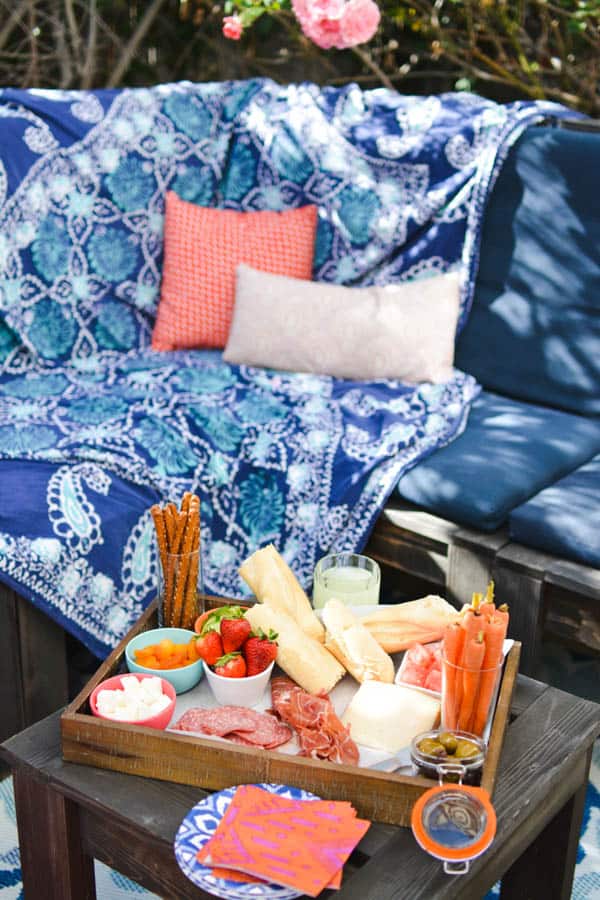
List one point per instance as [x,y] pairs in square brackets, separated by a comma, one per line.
[399,181]
[302,460]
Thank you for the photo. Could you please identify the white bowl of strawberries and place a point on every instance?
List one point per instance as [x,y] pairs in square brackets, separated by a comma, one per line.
[237,662]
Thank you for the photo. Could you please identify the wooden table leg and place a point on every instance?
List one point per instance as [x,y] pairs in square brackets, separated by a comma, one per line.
[545,870]
[53,863]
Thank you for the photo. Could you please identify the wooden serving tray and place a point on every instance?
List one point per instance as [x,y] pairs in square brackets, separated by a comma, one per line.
[214,765]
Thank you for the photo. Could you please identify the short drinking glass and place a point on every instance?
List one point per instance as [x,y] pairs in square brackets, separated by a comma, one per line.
[349,577]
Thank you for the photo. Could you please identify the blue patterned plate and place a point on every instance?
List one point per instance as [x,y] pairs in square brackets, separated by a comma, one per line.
[200,824]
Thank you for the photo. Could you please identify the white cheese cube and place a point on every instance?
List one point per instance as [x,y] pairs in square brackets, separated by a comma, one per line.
[152,687]
[158,705]
[131,685]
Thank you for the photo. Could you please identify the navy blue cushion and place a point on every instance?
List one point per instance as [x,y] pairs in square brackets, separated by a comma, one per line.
[534,329]
[564,519]
[508,452]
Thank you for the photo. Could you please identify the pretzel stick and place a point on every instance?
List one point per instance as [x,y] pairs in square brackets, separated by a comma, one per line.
[180,524]
[171,524]
[170,514]
[161,539]
[161,534]
[182,571]
[191,589]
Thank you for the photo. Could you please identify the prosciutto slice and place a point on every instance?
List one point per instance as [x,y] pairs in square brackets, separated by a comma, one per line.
[320,732]
[236,723]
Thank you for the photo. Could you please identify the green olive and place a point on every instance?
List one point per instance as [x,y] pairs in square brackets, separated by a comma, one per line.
[466,749]
[431,747]
[448,741]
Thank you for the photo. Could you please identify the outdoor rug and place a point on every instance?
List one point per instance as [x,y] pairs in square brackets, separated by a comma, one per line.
[111,885]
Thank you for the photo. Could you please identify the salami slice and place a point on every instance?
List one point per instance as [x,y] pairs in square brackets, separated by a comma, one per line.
[236,723]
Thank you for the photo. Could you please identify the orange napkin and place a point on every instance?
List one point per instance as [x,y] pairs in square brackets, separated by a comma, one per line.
[243,877]
[302,844]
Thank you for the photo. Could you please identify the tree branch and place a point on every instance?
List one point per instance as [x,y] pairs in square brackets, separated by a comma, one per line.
[370,63]
[13,20]
[134,42]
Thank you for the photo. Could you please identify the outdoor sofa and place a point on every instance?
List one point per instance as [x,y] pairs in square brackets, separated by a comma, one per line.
[516,497]
[95,427]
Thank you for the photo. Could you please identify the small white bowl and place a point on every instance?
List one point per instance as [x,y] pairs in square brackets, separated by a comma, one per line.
[246,691]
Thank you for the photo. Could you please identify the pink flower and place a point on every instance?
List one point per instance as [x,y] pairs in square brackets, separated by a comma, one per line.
[320,21]
[232,27]
[360,21]
[336,23]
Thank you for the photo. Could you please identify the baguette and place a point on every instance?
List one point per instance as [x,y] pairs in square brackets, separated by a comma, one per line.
[398,626]
[303,658]
[272,581]
[350,642]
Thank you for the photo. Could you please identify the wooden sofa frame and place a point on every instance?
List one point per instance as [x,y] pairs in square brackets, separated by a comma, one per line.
[33,664]
[546,595]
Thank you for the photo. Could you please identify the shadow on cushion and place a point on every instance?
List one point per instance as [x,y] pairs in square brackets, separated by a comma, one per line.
[508,452]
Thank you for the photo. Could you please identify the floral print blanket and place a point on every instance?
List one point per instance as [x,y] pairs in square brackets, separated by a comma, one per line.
[94,427]
[301,460]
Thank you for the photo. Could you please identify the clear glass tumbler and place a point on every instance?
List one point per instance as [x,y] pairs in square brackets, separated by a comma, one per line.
[350,577]
[180,596]
[469,698]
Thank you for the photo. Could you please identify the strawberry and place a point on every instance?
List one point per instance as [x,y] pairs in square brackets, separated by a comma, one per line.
[209,647]
[234,633]
[260,650]
[232,665]
[211,619]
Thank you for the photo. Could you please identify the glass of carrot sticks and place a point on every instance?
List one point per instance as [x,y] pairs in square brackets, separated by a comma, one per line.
[180,597]
[472,659]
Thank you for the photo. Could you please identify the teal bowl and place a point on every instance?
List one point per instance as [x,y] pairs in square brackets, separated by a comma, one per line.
[184,678]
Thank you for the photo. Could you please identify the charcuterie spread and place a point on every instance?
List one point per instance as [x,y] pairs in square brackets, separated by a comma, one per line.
[335,694]
[351,686]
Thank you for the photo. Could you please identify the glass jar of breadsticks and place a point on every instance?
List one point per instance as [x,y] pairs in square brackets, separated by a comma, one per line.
[180,597]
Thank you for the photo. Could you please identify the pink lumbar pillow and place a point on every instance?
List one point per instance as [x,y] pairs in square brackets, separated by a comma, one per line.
[404,331]
[203,246]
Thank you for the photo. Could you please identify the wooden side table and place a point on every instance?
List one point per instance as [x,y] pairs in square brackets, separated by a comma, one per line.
[70,814]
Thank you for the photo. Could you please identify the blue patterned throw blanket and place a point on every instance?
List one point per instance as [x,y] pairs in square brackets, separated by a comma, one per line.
[95,427]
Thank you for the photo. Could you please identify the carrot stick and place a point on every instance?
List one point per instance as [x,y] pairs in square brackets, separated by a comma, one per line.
[488,607]
[476,601]
[502,613]
[473,655]
[471,625]
[495,632]
[452,652]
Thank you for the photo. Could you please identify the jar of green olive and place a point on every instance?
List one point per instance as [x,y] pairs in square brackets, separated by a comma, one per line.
[448,756]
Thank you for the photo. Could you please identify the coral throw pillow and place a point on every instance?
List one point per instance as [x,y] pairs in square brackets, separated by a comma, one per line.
[203,246]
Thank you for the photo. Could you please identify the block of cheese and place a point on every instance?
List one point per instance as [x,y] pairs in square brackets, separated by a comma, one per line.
[388,716]
[301,657]
[270,578]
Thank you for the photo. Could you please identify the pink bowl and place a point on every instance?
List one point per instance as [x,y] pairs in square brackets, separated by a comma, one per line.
[114,684]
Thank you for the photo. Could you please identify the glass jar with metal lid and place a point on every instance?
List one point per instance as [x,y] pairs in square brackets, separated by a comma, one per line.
[457,756]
